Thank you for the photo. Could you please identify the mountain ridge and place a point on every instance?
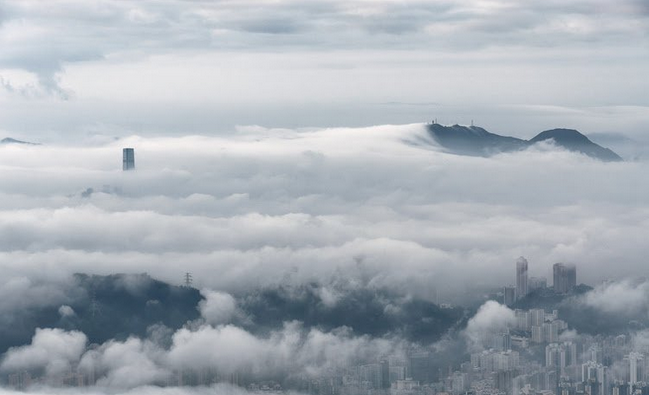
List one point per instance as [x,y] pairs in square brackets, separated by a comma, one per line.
[477,141]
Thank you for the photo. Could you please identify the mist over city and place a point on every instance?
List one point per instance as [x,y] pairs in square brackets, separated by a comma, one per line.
[364,197]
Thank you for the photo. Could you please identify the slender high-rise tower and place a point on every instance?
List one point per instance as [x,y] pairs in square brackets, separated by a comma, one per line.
[128,159]
[521,277]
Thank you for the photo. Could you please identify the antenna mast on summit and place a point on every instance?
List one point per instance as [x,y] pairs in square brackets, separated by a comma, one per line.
[188,280]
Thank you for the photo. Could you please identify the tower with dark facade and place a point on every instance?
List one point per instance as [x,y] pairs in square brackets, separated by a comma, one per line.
[521,278]
[128,159]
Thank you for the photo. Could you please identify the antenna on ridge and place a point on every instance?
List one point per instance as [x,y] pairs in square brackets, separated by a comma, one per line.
[188,280]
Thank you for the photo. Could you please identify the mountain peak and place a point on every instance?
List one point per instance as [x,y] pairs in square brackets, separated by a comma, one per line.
[564,135]
[574,141]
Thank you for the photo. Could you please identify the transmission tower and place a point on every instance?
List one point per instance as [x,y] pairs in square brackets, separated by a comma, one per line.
[188,280]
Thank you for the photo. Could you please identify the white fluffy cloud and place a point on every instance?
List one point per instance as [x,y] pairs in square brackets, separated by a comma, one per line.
[628,297]
[491,319]
[53,350]
[66,311]
[217,308]
[128,364]
[225,349]
[291,351]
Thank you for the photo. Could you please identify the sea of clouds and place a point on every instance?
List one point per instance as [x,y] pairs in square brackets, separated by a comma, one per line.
[384,207]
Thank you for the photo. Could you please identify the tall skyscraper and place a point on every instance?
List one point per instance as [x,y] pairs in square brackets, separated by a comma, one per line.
[521,277]
[128,159]
[564,277]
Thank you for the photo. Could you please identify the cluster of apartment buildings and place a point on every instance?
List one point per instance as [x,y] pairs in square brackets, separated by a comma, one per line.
[564,278]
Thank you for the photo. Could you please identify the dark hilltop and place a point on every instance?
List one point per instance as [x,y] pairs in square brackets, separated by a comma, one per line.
[476,141]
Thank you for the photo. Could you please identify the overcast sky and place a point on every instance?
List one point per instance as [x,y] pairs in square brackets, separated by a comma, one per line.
[74,68]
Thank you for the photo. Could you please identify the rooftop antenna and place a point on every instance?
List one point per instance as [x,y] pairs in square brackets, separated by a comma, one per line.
[188,280]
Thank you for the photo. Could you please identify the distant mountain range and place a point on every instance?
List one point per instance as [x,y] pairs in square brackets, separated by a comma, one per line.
[476,141]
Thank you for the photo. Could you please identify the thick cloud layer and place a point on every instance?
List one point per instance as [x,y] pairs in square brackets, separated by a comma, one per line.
[302,223]
[381,205]
[289,353]
[156,27]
